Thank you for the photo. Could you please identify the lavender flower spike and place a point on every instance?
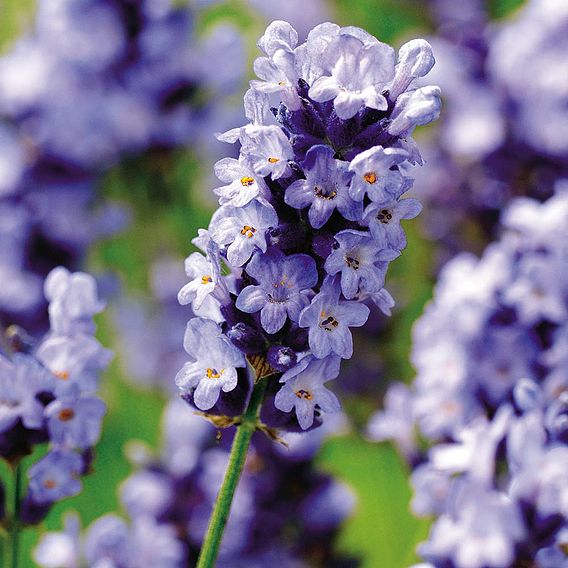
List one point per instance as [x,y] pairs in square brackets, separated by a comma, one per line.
[48,396]
[491,397]
[278,239]
[319,163]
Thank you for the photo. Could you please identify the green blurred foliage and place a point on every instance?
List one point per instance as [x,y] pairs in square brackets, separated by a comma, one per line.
[504,8]
[15,17]
[382,531]
[164,190]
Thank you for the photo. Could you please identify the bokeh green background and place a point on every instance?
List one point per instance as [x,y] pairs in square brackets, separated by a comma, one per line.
[165,192]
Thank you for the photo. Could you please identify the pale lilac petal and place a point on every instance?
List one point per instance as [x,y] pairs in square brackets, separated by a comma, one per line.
[251,299]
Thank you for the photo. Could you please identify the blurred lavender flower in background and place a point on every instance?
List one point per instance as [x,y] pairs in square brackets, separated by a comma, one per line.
[92,83]
[490,399]
[48,394]
[285,511]
[504,128]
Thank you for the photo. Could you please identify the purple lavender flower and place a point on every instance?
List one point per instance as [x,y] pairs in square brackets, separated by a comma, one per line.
[361,264]
[214,365]
[107,541]
[374,175]
[60,549]
[21,379]
[269,151]
[324,189]
[48,395]
[244,184]
[75,422]
[284,288]
[204,275]
[90,84]
[303,388]
[359,71]
[383,220]
[482,532]
[329,319]
[55,477]
[494,143]
[243,229]
[73,301]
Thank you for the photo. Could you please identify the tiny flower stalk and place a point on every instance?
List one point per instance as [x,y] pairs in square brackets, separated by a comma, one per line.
[309,221]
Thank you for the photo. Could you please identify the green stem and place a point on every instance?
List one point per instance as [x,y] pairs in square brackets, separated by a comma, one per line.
[15,524]
[241,441]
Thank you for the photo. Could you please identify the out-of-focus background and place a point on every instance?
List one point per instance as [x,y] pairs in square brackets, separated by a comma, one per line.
[142,188]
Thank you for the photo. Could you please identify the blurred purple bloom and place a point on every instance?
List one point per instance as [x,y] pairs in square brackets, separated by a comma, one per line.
[21,379]
[75,422]
[55,477]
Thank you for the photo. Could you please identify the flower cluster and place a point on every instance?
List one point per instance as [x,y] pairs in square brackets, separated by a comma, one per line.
[504,128]
[309,218]
[94,81]
[285,511]
[491,396]
[48,394]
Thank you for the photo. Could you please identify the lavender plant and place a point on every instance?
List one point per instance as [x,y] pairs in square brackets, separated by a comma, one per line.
[490,400]
[93,83]
[48,397]
[285,510]
[309,221]
[494,142]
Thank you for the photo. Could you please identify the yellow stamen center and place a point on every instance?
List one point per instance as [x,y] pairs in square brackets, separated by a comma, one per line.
[247,181]
[306,395]
[370,177]
[248,231]
[206,279]
[213,373]
[273,160]
[63,375]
